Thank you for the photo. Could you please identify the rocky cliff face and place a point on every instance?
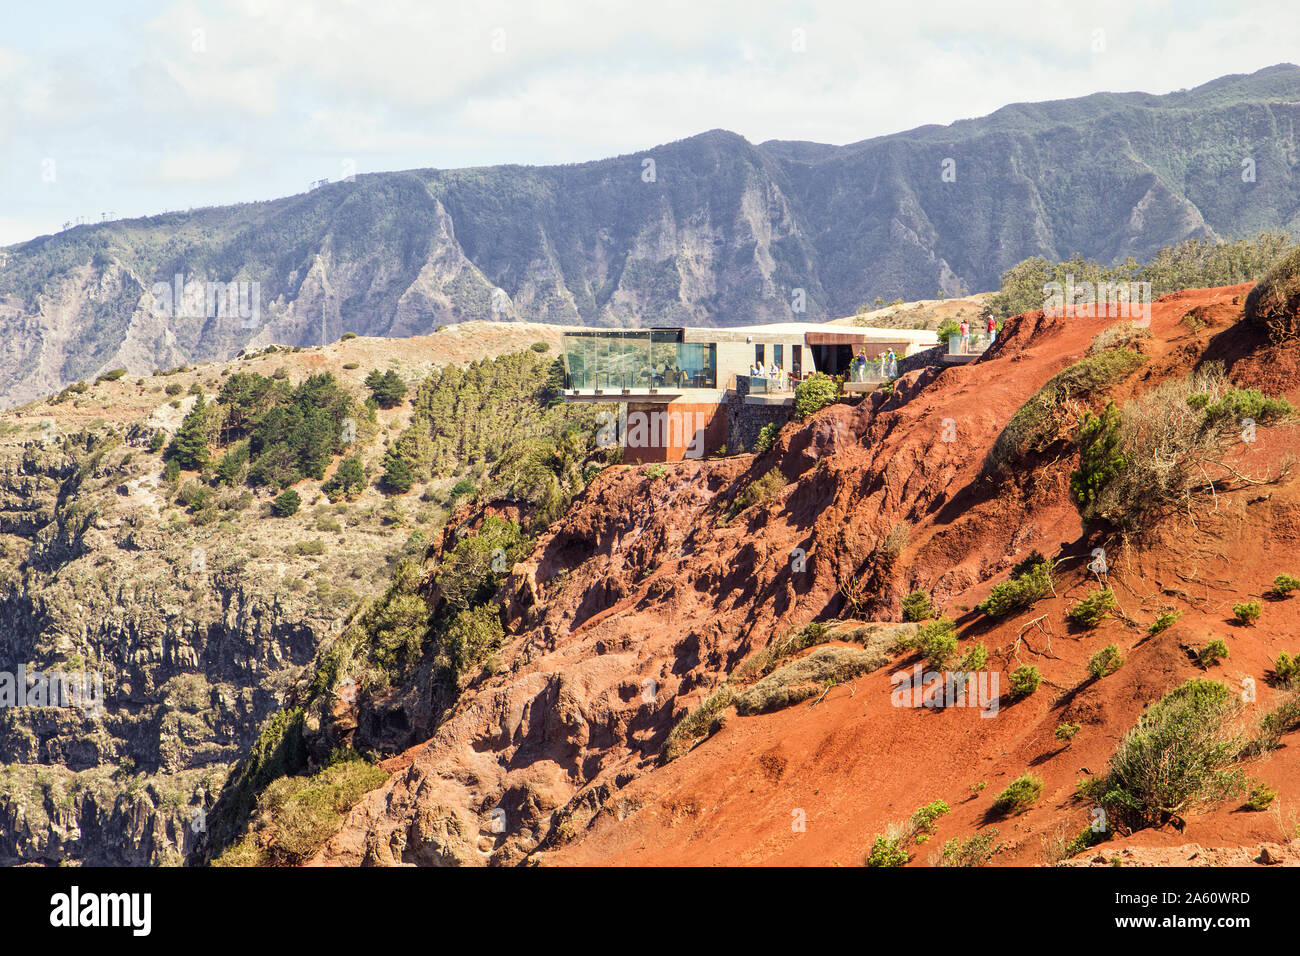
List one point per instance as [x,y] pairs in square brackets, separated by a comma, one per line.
[187,645]
[711,230]
[191,626]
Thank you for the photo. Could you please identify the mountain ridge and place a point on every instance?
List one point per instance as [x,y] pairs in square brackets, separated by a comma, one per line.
[707,230]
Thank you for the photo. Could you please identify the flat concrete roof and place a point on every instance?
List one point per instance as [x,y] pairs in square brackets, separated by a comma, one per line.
[835,334]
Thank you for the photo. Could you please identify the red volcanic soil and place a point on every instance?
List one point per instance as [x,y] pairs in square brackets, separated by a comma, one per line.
[642,586]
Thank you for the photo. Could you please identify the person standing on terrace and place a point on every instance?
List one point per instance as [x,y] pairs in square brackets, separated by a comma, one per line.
[993,330]
[965,337]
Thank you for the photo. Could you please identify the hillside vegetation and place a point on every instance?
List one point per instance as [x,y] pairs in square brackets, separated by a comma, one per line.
[142,539]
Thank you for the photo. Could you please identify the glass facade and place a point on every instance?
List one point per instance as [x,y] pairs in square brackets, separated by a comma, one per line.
[637,359]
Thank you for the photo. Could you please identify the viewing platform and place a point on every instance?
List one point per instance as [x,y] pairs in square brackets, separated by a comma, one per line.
[975,347]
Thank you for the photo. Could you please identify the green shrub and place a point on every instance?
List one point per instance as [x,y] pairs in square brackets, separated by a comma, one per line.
[766,437]
[460,490]
[1066,732]
[702,721]
[1247,612]
[1024,681]
[655,472]
[1154,460]
[891,847]
[193,496]
[157,440]
[758,490]
[347,335]
[1284,584]
[1287,667]
[471,636]
[1238,404]
[1105,662]
[887,851]
[1118,336]
[937,642]
[540,347]
[1274,303]
[976,656]
[231,466]
[1027,585]
[1179,755]
[815,393]
[806,678]
[111,376]
[918,607]
[1091,610]
[924,818]
[286,503]
[173,389]
[1164,620]
[296,815]
[1019,795]
[1100,457]
[472,570]
[1272,726]
[1034,425]
[1260,798]
[974,850]
[1212,653]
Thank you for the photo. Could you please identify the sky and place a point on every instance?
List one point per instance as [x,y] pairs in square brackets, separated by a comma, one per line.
[119,108]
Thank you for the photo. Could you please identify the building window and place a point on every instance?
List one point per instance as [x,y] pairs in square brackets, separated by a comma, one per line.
[758,355]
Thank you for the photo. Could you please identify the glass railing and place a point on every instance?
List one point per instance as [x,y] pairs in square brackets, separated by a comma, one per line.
[769,384]
[975,344]
[637,361]
[872,372]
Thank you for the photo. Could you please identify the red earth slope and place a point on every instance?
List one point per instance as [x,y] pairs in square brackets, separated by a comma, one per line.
[641,601]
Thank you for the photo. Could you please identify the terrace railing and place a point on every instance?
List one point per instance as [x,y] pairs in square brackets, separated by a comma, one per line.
[976,343]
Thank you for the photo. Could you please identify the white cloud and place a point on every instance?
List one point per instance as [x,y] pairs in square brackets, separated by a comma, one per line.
[295,87]
[199,166]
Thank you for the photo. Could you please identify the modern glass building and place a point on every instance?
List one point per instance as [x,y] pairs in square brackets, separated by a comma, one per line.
[637,359]
[681,391]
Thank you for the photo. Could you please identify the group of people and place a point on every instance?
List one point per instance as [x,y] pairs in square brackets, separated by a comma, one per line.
[964,331]
[773,373]
[888,365]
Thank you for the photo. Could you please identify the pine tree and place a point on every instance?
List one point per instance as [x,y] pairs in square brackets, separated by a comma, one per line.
[398,477]
[189,449]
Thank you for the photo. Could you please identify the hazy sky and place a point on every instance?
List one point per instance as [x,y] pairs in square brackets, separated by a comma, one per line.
[131,107]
